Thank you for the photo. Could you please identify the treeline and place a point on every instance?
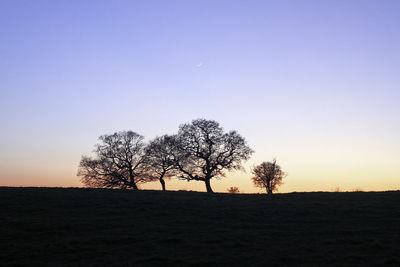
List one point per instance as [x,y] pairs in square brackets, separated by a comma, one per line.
[200,151]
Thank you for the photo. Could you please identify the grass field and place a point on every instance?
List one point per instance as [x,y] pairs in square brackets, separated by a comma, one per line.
[95,227]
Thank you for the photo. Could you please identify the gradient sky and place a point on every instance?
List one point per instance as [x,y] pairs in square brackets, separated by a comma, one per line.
[315,84]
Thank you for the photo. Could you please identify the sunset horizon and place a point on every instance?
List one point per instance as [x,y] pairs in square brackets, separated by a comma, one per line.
[200,133]
[314,85]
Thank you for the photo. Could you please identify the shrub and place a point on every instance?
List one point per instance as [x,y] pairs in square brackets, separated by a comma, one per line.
[233,190]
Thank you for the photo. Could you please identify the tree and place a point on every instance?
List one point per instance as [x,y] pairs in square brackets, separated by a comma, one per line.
[159,159]
[202,151]
[268,175]
[233,190]
[119,162]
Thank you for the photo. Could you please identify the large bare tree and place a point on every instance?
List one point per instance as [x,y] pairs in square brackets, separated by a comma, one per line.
[119,162]
[203,151]
[268,175]
[159,159]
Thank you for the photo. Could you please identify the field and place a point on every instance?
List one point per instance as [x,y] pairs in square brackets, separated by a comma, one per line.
[95,227]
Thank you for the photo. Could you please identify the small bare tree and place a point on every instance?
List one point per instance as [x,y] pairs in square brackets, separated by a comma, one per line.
[159,159]
[119,162]
[233,190]
[203,151]
[268,175]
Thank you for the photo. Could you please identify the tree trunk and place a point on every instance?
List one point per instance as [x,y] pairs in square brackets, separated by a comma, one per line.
[269,191]
[162,184]
[134,186]
[132,179]
[208,186]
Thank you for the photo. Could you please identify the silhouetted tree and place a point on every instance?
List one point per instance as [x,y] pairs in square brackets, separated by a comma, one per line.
[119,162]
[233,190]
[203,151]
[268,175]
[159,159]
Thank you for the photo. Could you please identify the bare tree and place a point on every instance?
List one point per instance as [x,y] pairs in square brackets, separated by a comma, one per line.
[268,175]
[159,159]
[119,162]
[203,151]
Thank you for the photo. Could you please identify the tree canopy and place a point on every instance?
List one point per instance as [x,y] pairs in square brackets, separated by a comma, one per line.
[159,159]
[200,151]
[203,151]
[268,175]
[119,162]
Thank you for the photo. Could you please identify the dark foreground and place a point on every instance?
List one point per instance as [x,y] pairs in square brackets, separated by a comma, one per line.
[92,227]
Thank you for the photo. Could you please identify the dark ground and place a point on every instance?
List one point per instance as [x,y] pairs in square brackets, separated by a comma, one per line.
[95,227]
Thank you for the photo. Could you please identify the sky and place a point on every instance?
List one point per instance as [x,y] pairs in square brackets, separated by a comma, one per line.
[315,84]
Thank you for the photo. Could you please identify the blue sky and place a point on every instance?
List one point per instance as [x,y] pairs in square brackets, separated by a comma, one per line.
[313,83]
